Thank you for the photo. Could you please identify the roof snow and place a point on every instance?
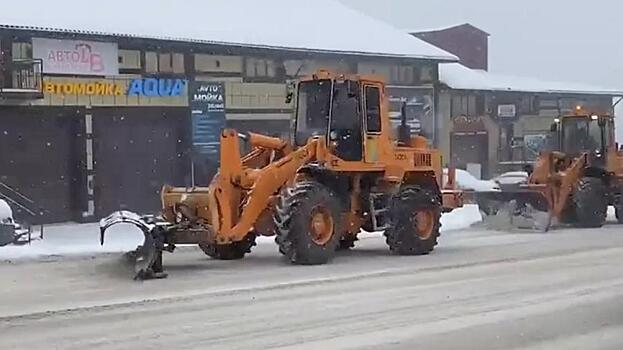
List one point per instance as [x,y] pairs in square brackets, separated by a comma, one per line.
[318,26]
[459,77]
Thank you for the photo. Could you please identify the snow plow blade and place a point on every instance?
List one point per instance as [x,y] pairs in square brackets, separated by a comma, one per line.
[147,258]
[506,211]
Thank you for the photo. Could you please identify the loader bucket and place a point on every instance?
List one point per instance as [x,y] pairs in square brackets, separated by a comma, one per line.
[510,210]
[149,253]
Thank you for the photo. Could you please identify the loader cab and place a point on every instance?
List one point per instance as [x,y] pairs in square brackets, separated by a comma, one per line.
[345,111]
[593,134]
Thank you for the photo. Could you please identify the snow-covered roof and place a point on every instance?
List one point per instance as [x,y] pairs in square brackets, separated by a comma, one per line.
[318,26]
[459,77]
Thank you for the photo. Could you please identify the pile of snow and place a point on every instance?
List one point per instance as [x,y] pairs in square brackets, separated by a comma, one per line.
[461,218]
[467,182]
[6,214]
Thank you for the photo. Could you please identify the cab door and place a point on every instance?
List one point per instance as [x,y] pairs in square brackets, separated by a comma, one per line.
[346,127]
[372,121]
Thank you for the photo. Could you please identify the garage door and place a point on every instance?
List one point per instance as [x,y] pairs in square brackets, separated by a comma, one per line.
[470,148]
[136,151]
[38,158]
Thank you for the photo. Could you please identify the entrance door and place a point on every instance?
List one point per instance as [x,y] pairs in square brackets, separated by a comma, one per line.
[470,148]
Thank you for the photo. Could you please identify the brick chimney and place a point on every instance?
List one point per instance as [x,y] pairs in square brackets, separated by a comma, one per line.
[468,43]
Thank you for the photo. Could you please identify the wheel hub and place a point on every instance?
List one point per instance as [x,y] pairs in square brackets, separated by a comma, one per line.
[321,226]
[424,223]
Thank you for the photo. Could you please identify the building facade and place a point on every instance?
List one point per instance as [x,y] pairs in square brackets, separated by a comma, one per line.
[93,123]
[492,123]
[489,132]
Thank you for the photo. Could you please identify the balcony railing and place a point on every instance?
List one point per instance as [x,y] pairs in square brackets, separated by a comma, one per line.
[21,79]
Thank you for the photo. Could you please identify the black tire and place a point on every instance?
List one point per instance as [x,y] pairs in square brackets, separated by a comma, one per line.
[402,236]
[589,201]
[232,251]
[293,216]
[618,210]
[346,243]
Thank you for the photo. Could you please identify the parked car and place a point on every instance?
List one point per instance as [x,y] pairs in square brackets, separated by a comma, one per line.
[511,180]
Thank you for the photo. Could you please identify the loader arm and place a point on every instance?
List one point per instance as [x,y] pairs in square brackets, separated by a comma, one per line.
[232,219]
[568,179]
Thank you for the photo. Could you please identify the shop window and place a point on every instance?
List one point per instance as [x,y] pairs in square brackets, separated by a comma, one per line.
[373,109]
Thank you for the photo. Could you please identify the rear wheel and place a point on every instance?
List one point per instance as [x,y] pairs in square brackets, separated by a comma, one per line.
[232,251]
[589,201]
[415,221]
[307,220]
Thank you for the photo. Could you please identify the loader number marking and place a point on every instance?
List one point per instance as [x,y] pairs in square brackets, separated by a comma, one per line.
[400,156]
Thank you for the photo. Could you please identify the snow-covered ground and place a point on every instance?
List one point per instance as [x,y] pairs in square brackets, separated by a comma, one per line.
[83,239]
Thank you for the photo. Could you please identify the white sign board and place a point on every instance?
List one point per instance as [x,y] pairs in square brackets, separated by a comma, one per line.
[77,57]
[506,111]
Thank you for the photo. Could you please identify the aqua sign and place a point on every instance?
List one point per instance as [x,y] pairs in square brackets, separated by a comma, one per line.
[153,87]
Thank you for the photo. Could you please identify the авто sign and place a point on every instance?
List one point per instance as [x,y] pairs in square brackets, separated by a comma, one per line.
[77,57]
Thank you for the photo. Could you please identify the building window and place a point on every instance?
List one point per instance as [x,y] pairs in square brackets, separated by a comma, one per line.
[373,109]
[260,68]
[402,75]
[21,51]
[164,63]
[463,105]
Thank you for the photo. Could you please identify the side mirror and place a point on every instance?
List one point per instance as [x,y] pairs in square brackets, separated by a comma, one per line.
[289,92]
[553,127]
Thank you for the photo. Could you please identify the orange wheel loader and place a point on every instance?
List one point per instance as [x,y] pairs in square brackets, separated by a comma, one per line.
[343,170]
[573,182]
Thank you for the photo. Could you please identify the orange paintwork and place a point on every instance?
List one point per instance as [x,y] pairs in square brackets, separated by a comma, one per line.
[240,198]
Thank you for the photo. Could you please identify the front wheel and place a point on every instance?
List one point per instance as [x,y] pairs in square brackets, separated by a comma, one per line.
[589,200]
[307,219]
[415,216]
[231,251]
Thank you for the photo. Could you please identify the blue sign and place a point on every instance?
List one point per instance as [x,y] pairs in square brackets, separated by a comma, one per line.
[152,87]
[207,104]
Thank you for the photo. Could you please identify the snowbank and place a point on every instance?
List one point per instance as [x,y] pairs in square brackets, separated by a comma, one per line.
[83,239]
[5,211]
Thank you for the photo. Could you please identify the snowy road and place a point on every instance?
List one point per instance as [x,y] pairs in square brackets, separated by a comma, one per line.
[479,290]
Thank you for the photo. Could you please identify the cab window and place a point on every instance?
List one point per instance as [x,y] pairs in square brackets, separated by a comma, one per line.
[373,108]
